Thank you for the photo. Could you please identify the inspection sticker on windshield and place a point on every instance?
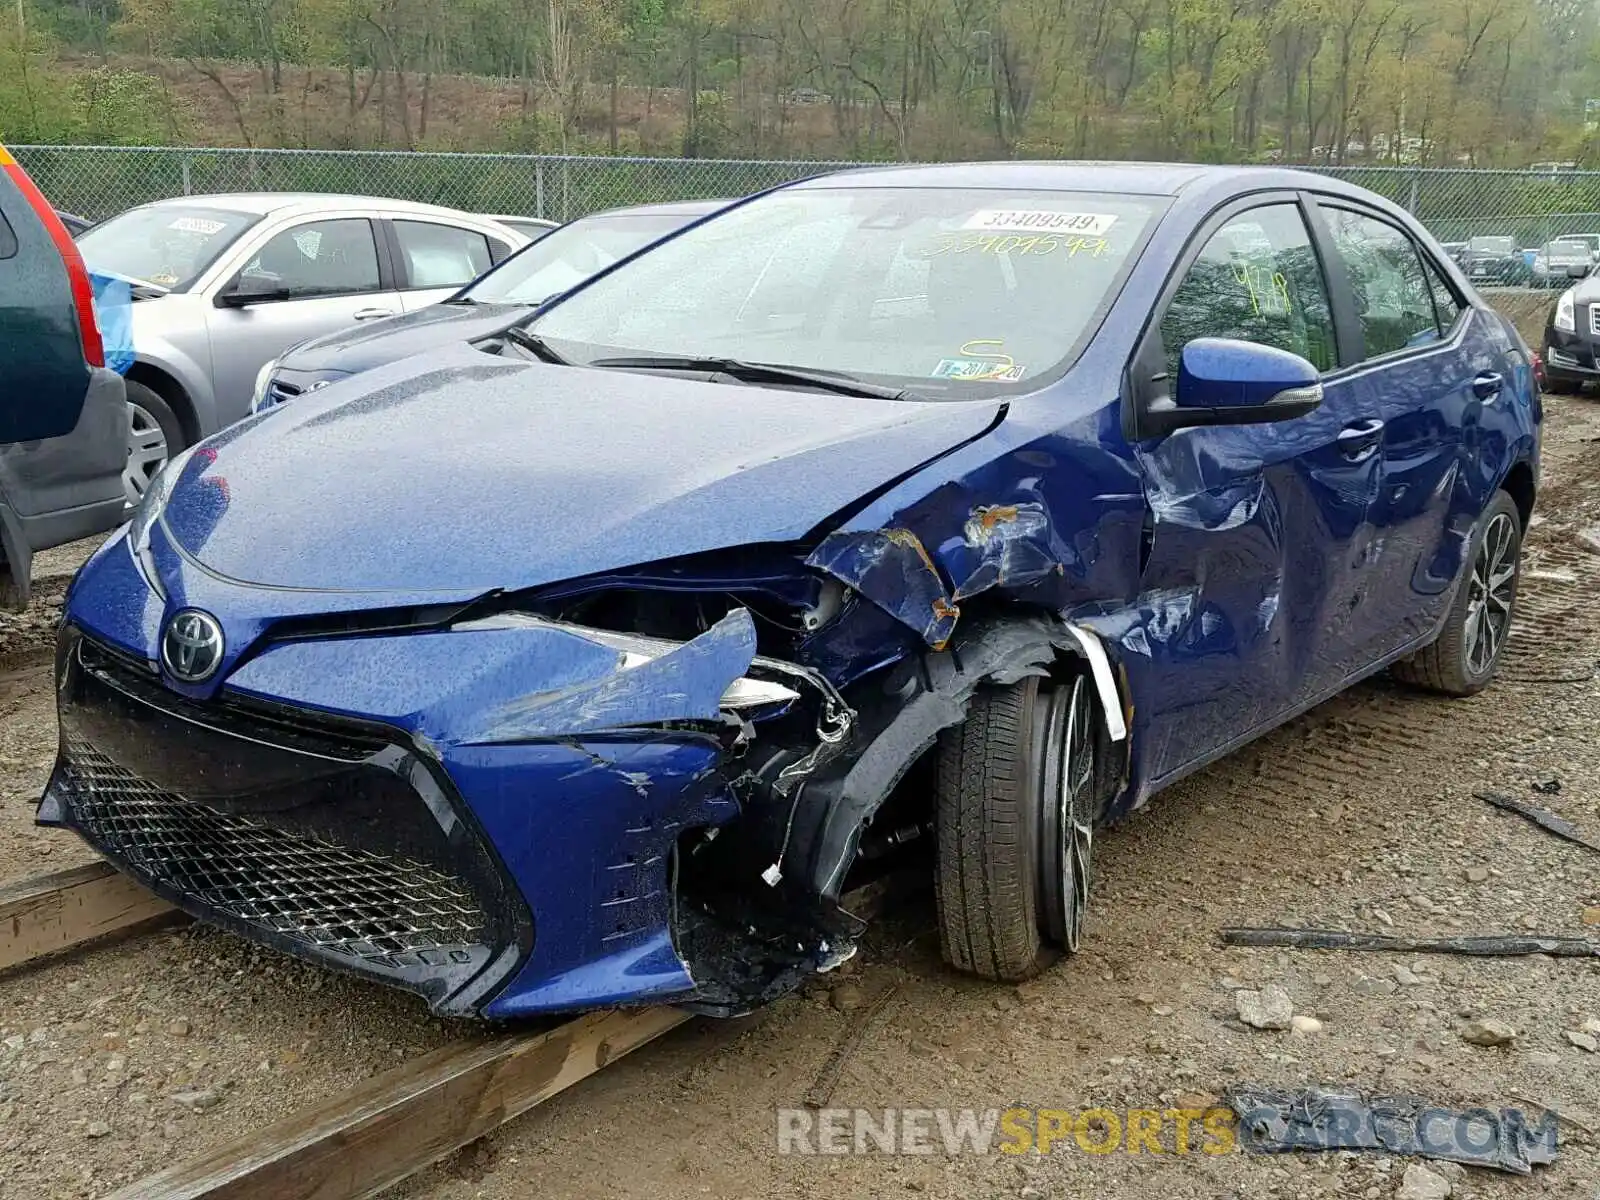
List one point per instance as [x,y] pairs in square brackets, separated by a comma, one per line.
[1038,220]
[204,226]
[968,370]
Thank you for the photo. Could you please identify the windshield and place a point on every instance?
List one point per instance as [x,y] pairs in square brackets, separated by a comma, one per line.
[571,254]
[1493,245]
[947,291]
[170,245]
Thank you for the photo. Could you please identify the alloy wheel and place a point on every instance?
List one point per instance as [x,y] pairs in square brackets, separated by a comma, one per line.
[1065,752]
[1490,593]
[147,452]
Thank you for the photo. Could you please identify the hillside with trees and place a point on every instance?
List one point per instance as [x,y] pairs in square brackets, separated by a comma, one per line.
[1426,82]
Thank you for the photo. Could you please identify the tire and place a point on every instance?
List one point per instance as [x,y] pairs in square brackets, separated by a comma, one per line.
[1013,876]
[1458,663]
[155,434]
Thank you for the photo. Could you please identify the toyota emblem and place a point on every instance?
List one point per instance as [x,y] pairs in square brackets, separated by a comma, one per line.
[191,648]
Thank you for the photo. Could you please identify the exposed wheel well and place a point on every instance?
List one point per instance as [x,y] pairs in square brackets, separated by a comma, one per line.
[1519,486]
[170,390]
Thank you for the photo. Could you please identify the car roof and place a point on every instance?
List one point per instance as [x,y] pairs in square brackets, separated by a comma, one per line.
[677,208]
[267,203]
[1135,178]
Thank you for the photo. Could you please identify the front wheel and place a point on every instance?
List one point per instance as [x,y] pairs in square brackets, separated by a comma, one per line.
[1465,657]
[1016,810]
[154,435]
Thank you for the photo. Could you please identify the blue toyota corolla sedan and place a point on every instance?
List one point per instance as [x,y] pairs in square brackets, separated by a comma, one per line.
[955,507]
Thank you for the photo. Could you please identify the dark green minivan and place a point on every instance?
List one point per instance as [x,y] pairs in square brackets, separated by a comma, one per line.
[63,413]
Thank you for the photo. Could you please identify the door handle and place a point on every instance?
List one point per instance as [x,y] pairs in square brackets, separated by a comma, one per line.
[1360,439]
[373,314]
[1487,385]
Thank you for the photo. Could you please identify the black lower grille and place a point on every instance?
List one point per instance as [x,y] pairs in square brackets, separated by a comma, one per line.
[383,911]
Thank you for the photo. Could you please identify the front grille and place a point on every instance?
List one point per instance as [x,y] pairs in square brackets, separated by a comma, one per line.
[278,391]
[1594,319]
[384,912]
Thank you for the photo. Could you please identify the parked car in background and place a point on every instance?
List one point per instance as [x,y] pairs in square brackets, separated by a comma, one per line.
[582,665]
[63,418]
[1591,240]
[74,224]
[1560,261]
[1572,338]
[1453,249]
[532,228]
[224,283]
[507,294]
[1491,260]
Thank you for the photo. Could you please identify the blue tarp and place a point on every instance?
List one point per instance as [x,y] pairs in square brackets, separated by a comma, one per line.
[113,311]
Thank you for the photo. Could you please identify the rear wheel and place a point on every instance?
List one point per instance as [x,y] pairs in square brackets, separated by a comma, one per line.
[1467,654]
[1016,809]
[154,435]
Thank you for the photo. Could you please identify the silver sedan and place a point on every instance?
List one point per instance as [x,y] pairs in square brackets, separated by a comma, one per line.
[224,283]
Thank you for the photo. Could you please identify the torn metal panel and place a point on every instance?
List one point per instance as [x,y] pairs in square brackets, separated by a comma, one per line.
[893,569]
[1005,546]
[995,653]
[1272,1121]
[686,683]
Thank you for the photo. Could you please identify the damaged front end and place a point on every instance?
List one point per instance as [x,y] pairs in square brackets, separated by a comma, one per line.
[650,786]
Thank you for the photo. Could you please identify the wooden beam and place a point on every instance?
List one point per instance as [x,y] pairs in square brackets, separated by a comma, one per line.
[47,913]
[397,1123]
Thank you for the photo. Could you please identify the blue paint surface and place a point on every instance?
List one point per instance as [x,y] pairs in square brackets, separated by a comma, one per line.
[1235,574]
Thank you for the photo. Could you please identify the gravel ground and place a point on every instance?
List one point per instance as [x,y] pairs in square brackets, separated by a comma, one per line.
[1359,815]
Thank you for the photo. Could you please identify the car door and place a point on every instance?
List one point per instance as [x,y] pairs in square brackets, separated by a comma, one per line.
[434,261]
[1251,528]
[315,276]
[1426,375]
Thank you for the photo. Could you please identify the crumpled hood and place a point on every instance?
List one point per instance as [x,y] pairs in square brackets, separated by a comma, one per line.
[374,343]
[461,470]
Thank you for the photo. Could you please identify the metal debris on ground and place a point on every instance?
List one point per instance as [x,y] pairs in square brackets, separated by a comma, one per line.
[1549,787]
[1275,1121]
[1542,818]
[821,1089]
[1490,946]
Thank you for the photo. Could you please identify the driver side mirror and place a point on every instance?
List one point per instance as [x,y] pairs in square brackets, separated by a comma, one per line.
[246,290]
[1224,381]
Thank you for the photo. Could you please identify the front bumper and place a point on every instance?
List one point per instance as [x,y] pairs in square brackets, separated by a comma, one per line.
[1570,353]
[330,840]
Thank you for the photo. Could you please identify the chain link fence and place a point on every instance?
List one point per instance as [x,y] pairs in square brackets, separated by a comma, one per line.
[1531,207]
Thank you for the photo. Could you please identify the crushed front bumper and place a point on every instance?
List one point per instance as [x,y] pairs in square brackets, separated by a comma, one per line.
[410,808]
[326,839]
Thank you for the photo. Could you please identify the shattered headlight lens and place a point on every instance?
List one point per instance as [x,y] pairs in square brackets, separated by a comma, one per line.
[1566,312]
[744,693]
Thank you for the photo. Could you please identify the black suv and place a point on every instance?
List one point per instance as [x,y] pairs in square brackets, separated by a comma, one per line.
[63,413]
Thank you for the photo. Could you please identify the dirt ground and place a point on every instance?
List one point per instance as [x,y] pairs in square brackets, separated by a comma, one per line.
[1360,815]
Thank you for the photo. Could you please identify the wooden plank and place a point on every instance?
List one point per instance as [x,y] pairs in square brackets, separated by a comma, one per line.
[361,1142]
[53,912]
[392,1126]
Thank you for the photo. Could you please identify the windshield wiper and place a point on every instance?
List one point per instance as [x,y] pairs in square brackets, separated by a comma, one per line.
[533,344]
[754,372]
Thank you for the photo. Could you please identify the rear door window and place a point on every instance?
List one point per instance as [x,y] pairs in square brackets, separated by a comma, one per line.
[1393,296]
[438,256]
